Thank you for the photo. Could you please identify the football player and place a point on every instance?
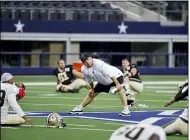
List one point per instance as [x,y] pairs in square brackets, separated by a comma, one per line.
[132,82]
[180,126]
[68,79]
[106,76]
[139,132]
[8,98]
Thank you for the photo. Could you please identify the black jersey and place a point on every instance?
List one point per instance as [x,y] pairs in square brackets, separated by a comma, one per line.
[135,77]
[65,76]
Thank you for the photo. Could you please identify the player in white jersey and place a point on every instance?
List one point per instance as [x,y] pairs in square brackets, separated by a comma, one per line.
[8,98]
[139,132]
[181,124]
[106,76]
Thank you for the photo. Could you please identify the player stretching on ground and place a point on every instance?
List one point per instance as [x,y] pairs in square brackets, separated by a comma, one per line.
[181,124]
[8,98]
[66,78]
[106,76]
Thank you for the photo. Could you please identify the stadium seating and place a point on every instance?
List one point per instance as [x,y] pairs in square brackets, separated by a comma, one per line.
[173,8]
[63,10]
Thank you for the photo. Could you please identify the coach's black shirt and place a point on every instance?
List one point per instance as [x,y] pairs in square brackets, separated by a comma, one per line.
[135,77]
[65,76]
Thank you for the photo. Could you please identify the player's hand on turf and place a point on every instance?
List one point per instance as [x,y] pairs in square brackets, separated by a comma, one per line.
[168,103]
[119,87]
[29,121]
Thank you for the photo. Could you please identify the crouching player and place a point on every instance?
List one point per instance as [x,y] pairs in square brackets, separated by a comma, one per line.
[68,79]
[8,98]
[132,82]
[181,124]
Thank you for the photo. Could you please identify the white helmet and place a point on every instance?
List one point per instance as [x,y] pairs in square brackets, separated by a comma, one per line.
[139,132]
[54,120]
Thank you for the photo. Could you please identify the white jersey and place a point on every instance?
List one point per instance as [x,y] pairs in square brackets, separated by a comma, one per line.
[10,99]
[138,132]
[184,115]
[100,72]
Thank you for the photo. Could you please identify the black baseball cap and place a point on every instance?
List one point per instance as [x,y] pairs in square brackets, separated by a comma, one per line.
[84,56]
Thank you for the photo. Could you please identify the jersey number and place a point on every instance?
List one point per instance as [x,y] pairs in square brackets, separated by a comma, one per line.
[2,97]
[63,76]
[132,134]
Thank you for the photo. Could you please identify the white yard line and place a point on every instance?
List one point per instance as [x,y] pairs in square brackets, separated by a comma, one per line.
[90,106]
[77,98]
[150,120]
[81,125]
[168,112]
[165,91]
[89,129]
[120,124]
[145,82]
[7,127]
[160,87]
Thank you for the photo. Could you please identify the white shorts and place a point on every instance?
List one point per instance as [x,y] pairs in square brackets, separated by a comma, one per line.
[13,120]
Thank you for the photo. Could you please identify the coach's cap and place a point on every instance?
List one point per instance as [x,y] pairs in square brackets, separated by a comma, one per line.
[6,76]
[84,56]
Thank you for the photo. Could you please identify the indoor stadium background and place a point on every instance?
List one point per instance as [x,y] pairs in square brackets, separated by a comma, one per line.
[151,34]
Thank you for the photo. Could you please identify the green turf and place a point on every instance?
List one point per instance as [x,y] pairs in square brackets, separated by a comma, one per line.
[37,100]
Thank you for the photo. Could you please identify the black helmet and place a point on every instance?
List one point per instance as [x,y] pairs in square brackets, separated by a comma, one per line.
[84,56]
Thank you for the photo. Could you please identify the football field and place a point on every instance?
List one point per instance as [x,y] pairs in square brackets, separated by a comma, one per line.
[100,118]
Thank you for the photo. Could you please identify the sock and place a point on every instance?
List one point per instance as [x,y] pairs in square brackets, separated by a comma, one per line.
[126,107]
[81,107]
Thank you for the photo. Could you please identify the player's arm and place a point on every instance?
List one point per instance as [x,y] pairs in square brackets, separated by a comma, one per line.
[182,93]
[88,78]
[77,74]
[55,73]
[58,81]
[15,106]
[132,72]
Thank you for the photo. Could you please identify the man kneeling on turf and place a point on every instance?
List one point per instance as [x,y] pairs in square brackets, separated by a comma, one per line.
[68,79]
[181,124]
[8,98]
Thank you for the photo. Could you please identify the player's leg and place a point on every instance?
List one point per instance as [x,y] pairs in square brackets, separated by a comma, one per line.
[78,84]
[183,127]
[14,120]
[177,127]
[123,98]
[135,87]
[64,88]
[89,98]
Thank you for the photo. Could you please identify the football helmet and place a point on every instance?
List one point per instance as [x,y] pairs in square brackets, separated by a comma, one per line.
[54,120]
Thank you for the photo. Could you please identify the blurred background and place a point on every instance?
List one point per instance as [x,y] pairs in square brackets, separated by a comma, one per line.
[151,34]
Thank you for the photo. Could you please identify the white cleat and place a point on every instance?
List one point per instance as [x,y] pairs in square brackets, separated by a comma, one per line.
[125,112]
[76,110]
